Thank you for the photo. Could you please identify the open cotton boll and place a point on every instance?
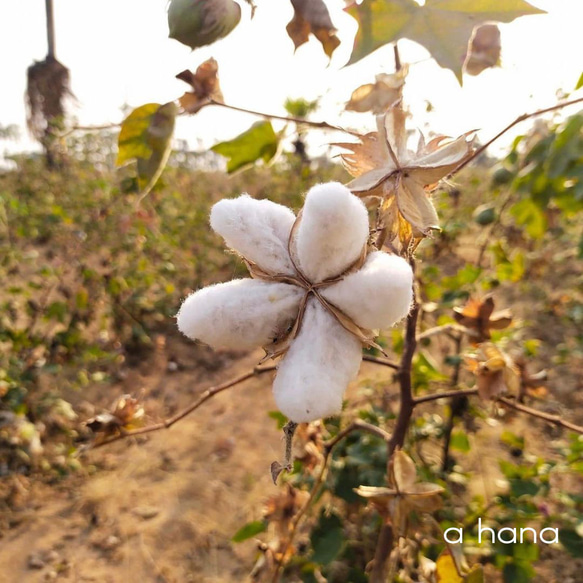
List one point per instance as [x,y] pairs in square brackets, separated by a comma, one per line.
[240,314]
[377,295]
[317,368]
[332,232]
[258,229]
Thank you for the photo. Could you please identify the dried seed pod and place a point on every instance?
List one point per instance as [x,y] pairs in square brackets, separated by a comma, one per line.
[196,23]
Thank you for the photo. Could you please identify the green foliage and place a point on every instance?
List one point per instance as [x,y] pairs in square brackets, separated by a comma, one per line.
[259,142]
[250,530]
[327,539]
[301,107]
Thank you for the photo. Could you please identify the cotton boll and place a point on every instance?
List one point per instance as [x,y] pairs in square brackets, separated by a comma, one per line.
[239,314]
[332,231]
[258,229]
[314,373]
[377,295]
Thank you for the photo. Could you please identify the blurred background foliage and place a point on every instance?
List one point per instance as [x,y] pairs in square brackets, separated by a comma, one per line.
[91,279]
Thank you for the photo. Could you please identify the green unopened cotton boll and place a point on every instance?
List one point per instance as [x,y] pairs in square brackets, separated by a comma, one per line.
[196,23]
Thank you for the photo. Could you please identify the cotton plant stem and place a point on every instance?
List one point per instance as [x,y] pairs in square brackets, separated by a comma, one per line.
[322,125]
[381,361]
[549,417]
[329,445]
[208,394]
[518,120]
[442,330]
[445,395]
[386,538]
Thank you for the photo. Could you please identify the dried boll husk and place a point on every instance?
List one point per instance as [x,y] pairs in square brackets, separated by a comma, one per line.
[196,23]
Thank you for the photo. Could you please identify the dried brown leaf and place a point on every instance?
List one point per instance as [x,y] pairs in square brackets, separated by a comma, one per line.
[483,49]
[479,317]
[384,167]
[205,85]
[381,94]
[312,16]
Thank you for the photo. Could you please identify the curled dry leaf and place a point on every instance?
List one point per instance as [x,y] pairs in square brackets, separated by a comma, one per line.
[483,49]
[281,508]
[479,317]
[405,495]
[205,85]
[378,96]
[312,16]
[384,167]
[126,413]
[496,373]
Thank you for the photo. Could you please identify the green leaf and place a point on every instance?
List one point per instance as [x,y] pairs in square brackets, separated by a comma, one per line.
[572,542]
[579,83]
[249,530]
[159,138]
[531,216]
[460,441]
[280,418]
[258,142]
[132,141]
[327,539]
[516,572]
[146,136]
[443,27]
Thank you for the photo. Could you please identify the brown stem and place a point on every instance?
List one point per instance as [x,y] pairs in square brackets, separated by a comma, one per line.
[208,394]
[386,538]
[405,381]
[518,120]
[442,330]
[51,54]
[554,419]
[323,125]
[381,361]
[445,395]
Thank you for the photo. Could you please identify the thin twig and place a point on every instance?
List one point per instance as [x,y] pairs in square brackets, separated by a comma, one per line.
[381,361]
[322,125]
[208,394]
[357,425]
[442,330]
[518,120]
[549,417]
[444,395]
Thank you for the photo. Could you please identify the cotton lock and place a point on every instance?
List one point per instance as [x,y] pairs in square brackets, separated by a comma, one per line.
[324,274]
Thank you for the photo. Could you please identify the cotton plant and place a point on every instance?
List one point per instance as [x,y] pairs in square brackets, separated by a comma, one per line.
[384,167]
[316,294]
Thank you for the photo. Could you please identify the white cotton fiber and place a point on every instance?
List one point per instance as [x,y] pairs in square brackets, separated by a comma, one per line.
[317,368]
[376,296]
[332,231]
[258,229]
[240,314]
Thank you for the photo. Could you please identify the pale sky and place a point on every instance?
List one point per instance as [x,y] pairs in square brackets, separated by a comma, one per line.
[118,52]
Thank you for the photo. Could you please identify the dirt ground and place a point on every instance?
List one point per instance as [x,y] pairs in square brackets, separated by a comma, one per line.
[164,507]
